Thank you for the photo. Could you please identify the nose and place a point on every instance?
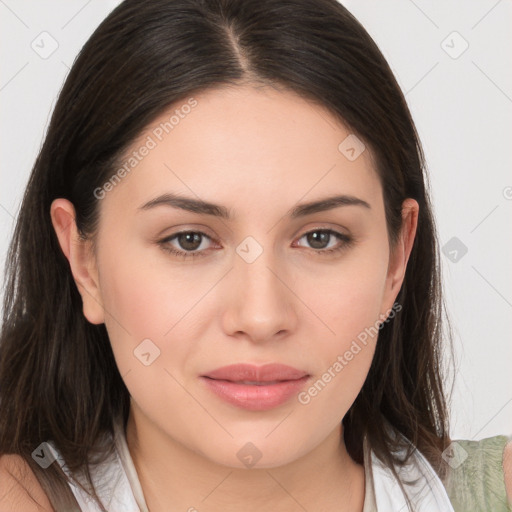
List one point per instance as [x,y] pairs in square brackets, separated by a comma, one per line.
[260,304]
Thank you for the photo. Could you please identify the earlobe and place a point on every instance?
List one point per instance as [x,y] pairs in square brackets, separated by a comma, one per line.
[81,259]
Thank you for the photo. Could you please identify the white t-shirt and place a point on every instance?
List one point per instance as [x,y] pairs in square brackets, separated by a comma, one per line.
[117,483]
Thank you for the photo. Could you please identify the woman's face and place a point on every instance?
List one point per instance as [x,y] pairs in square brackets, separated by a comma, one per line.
[255,288]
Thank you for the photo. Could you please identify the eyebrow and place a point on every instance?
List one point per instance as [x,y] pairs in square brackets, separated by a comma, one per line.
[216,210]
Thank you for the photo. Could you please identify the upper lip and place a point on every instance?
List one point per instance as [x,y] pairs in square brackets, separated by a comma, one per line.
[253,373]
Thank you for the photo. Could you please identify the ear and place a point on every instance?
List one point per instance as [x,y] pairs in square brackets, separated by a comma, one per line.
[400,255]
[81,259]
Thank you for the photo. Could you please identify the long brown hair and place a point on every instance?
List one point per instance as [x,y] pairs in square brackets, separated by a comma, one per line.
[58,376]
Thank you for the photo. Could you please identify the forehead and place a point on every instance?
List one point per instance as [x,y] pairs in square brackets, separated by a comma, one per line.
[246,146]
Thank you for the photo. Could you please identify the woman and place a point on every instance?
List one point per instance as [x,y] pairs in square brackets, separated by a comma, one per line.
[224,287]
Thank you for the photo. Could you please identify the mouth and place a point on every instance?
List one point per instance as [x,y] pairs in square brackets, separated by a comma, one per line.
[253,383]
[255,388]
[250,373]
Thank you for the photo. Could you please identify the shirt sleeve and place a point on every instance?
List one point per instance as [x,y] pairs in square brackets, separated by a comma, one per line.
[476,479]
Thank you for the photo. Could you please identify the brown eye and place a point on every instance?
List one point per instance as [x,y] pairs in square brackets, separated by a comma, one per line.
[187,244]
[189,241]
[319,240]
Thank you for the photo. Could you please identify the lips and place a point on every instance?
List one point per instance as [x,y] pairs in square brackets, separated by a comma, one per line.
[255,388]
[248,373]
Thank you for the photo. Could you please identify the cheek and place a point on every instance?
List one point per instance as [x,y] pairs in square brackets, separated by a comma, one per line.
[146,325]
[348,297]
[144,292]
[343,354]
[141,304]
[348,300]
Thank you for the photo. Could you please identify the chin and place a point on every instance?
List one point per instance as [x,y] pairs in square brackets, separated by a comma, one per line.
[252,455]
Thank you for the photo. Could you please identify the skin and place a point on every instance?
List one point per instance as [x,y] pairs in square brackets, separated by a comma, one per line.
[260,152]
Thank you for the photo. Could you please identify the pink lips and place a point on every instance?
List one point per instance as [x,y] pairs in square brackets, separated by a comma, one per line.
[256,388]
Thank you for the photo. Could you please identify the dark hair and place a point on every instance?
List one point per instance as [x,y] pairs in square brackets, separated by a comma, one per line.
[58,376]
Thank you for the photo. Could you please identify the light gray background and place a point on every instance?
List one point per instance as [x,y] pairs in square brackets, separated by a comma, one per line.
[462,106]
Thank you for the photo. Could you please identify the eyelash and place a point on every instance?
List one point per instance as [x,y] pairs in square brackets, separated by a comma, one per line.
[347,242]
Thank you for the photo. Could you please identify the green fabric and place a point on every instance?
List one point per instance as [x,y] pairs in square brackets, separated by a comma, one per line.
[476,481]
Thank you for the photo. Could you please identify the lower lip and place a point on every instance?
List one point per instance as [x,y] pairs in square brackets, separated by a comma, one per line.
[253,397]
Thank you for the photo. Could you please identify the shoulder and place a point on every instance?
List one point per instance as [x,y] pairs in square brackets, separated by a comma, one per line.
[480,473]
[507,469]
[19,488]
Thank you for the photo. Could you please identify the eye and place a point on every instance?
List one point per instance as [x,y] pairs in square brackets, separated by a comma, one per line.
[320,238]
[190,241]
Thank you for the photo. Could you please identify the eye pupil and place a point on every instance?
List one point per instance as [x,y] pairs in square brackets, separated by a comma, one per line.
[190,241]
[318,239]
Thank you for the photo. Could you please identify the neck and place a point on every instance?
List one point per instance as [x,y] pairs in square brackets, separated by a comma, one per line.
[175,478]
